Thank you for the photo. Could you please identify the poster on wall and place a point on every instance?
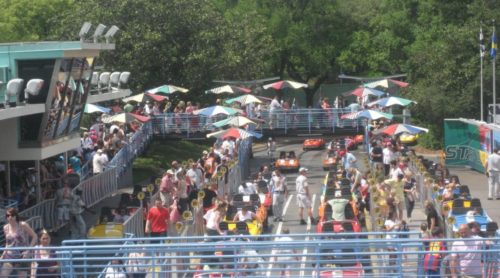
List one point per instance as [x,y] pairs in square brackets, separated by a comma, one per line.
[466,144]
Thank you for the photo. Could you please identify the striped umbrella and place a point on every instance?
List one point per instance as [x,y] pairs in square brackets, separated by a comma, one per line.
[386,83]
[396,129]
[144,96]
[244,100]
[285,84]
[92,108]
[235,133]
[167,89]
[216,110]
[364,91]
[234,121]
[390,101]
[228,89]
[368,114]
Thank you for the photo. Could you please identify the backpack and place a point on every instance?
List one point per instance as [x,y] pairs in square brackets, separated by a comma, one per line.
[404,228]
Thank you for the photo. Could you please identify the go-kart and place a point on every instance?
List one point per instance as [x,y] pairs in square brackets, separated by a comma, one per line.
[352,268]
[330,161]
[327,225]
[408,139]
[313,144]
[464,211]
[287,162]
[253,227]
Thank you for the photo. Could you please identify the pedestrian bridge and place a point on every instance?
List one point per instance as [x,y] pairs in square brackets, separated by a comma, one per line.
[280,123]
[397,254]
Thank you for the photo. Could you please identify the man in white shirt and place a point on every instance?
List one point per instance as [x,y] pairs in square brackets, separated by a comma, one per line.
[273,108]
[387,157]
[466,262]
[99,162]
[493,172]
[303,197]
[280,193]
[195,176]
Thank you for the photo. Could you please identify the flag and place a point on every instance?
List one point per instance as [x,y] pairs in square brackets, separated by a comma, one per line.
[493,51]
[481,43]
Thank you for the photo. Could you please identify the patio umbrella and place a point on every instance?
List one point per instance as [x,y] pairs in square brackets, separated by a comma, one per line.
[395,129]
[285,84]
[368,114]
[124,118]
[235,133]
[234,121]
[92,108]
[390,101]
[244,100]
[216,110]
[364,91]
[144,96]
[386,83]
[228,89]
[167,90]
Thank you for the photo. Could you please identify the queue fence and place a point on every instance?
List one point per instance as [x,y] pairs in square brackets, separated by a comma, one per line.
[305,255]
[306,119]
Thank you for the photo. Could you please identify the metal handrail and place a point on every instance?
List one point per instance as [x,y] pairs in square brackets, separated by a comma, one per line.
[307,255]
[99,187]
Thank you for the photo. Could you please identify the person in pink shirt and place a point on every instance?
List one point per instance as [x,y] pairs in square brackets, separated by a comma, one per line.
[166,187]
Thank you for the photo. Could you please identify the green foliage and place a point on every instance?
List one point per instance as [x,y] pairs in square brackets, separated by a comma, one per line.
[192,42]
[160,154]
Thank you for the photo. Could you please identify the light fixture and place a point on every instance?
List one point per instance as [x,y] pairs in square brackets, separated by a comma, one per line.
[14,89]
[98,32]
[111,33]
[84,30]
[32,88]
[104,80]
[124,77]
[114,78]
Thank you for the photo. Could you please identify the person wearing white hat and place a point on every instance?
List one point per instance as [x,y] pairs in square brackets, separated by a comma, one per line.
[99,162]
[303,197]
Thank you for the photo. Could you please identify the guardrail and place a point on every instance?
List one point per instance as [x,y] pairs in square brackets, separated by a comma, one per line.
[135,223]
[304,119]
[304,255]
[135,146]
[99,187]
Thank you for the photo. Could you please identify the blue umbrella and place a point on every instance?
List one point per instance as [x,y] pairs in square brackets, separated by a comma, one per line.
[216,110]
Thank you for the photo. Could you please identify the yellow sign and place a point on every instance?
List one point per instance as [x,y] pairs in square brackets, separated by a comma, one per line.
[466,204]
[150,188]
[446,207]
[187,215]
[141,196]
[194,203]
[179,226]
[158,181]
[380,222]
[201,194]
[223,170]
[451,220]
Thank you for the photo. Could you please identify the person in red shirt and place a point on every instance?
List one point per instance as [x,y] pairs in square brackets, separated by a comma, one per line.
[157,220]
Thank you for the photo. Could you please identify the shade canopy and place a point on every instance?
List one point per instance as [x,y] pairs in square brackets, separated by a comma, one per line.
[230,89]
[283,84]
[390,101]
[216,110]
[386,83]
[234,121]
[143,97]
[92,108]
[368,114]
[234,133]
[125,118]
[244,100]
[364,91]
[396,129]
[167,89]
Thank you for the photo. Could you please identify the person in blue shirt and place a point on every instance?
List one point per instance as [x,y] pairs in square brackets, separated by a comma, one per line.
[75,162]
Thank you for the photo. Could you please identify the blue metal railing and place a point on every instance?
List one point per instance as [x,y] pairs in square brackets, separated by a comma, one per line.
[308,119]
[305,255]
